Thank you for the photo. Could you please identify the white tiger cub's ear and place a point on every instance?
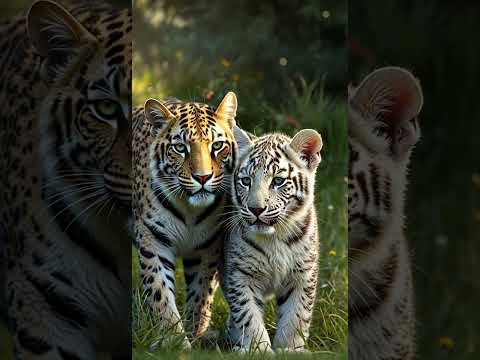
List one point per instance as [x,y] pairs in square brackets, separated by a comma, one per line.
[55,34]
[227,110]
[156,113]
[244,142]
[393,98]
[307,143]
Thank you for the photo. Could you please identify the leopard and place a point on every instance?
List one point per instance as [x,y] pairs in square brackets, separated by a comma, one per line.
[183,155]
[65,182]
[383,129]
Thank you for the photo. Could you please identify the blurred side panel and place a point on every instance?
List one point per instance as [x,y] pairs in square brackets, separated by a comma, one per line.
[65,137]
[435,41]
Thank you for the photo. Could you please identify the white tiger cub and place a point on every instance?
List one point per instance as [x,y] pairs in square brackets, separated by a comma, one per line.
[383,129]
[273,242]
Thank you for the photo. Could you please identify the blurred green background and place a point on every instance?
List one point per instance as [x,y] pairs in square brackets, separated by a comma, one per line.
[438,41]
[286,61]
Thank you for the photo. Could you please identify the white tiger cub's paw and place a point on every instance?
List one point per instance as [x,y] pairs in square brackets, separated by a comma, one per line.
[172,342]
[243,350]
[292,350]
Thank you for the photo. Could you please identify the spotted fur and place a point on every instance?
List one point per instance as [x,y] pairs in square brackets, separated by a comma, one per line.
[273,242]
[383,128]
[184,154]
[66,168]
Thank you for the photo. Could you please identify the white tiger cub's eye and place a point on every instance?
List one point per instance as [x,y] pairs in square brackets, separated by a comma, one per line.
[246,181]
[278,181]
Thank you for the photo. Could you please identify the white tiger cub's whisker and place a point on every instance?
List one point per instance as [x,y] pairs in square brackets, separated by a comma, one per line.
[272,246]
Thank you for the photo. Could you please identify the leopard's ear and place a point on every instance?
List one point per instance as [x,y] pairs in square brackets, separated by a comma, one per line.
[227,110]
[307,144]
[157,114]
[55,34]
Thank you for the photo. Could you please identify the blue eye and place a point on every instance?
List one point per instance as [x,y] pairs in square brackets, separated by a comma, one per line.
[278,181]
[181,148]
[246,181]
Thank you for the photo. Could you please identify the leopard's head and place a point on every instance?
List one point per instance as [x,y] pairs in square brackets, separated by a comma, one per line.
[193,150]
[85,114]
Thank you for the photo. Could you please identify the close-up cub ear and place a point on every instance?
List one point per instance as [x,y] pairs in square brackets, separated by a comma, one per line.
[390,94]
[307,143]
[55,33]
[393,97]
[157,114]
[243,140]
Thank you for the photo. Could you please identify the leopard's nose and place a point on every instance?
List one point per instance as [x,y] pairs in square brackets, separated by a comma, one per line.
[202,179]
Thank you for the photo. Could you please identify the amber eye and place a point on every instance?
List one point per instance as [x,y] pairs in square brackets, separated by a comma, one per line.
[278,181]
[217,145]
[181,148]
[106,108]
[246,181]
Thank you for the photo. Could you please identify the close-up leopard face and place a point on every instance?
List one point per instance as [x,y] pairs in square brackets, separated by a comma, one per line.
[193,148]
[86,113]
[274,180]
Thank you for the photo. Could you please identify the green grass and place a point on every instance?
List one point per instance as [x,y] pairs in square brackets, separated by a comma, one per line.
[328,334]
[5,344]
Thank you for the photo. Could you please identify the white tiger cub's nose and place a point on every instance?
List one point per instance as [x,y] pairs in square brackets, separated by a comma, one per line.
[256,210]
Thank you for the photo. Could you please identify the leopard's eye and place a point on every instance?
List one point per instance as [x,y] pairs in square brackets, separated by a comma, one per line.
[246,181]
[217,145]
[181,148]
[278,181]
[106,108]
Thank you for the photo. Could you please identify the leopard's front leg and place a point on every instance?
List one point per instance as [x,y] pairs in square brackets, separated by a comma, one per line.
[201,278]
[157,271]
[47,320]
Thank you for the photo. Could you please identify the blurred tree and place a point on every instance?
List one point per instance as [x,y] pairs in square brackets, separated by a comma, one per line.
[261,44]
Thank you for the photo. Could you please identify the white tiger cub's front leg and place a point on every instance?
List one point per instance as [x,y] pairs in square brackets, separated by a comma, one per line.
[295,309]
[246,328]
[201,279]
[157,271]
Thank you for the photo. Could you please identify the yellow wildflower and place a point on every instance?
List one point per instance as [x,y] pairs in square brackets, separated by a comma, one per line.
[179,54]
[225,62]
[446,342]
[332,253]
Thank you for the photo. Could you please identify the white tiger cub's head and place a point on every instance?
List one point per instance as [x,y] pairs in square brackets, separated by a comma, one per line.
[382,130]
[274,181]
